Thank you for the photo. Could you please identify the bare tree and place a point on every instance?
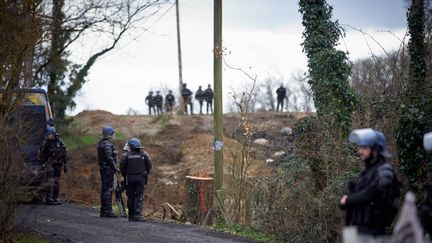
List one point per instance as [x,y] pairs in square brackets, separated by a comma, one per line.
[99,23]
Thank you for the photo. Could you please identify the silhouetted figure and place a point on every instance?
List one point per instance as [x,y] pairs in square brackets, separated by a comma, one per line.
[149,100]
[169,101]
[200,96]
[187,99]
[209,95]
[281,95]
[158,101]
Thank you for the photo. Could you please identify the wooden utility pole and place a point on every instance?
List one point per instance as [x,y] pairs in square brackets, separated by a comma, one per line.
[218,114]
[181,107]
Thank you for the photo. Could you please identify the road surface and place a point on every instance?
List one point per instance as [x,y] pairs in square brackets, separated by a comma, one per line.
[75,223]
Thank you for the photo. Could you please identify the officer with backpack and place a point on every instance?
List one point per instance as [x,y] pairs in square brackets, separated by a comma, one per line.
[369,202]
[135,168]
[53,157]
[107,155]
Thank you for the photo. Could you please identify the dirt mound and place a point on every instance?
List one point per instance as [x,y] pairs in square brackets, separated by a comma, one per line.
[179,146]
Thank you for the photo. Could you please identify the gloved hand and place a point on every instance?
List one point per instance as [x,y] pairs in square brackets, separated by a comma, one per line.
[65,169]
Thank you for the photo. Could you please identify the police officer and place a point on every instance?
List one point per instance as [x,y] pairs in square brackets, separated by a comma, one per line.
[135,167]
[369,203]
[187,98]
[199,95]
[169,101]
[209,95]
[426,205]
[53,157]
[149,100]
[281,95]
[107,155]
[158,101]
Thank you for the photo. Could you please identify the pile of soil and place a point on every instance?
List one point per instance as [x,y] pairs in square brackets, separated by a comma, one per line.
[178,146]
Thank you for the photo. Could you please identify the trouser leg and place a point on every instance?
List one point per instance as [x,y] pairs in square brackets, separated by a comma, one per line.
[107,178]
[130,193]
[139,195]
[49,177]
[56,180]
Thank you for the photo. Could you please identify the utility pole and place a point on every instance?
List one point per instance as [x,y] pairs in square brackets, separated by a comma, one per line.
[181,108]
[217,84]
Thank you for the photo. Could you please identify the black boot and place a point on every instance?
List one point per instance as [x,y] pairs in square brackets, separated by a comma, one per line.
[51,201]
[57,201]
[108,214]
[137,218]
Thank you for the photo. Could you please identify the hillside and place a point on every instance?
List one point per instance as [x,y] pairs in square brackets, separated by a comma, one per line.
[178,145]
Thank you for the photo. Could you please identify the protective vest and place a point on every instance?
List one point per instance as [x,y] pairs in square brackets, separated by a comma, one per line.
[135,164]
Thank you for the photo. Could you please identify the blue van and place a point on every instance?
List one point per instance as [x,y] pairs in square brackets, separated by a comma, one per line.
[33,115]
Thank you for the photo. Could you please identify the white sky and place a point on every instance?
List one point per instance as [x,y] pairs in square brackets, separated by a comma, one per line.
[263,37]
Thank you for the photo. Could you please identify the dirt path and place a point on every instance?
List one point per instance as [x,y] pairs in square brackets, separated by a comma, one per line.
[74,223]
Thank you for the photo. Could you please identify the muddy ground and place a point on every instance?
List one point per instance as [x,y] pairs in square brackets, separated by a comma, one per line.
[179,146]
[75,223]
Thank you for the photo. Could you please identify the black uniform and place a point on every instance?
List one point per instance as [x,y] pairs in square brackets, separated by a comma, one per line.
[200,96]
[208,94]
[169,102]
[135,167]
[53,158]
[281,95]
[370,204]
[158,100]
[151,104]
[187,99]
[107,155]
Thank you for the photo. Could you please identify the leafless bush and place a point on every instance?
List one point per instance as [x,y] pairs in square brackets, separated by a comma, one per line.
[12,189]
[19,28]
[379,82]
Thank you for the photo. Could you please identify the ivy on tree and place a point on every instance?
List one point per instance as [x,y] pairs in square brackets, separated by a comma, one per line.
[329,68]
[415,117]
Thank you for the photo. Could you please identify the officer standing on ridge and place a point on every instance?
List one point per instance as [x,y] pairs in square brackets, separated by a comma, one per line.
[209,95]
[281,95]
[200,96]
[169,101]
[187,98]
[135,168]
[53,157]
[107,155]
[158,101]
[369,204]
[149,100]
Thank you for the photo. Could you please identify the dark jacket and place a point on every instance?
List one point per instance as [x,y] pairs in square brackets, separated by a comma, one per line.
[208,94]
[135,163]
[200,95]
[53,151]
[186,93]
[107,155]
[281,93]
[371,197]
[158,100]
[150,100]
[170,99]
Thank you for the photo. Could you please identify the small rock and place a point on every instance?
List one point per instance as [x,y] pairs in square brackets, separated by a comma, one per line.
[286,131]
[261,141]
[279,154]
[269,160]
